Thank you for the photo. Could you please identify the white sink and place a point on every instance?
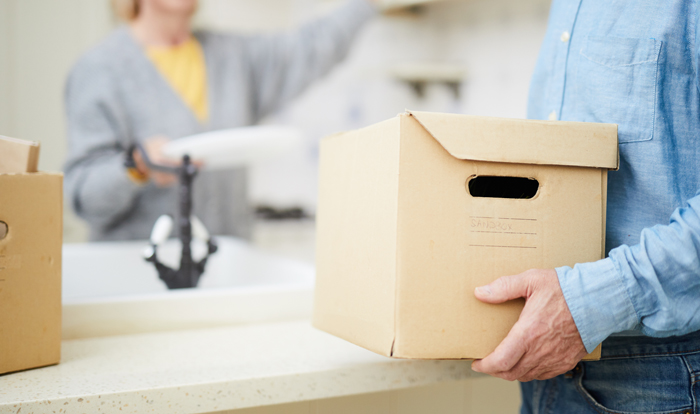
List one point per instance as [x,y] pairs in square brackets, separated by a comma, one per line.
[109,289]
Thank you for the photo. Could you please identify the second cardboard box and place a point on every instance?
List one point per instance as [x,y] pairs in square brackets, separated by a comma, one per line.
[417,211]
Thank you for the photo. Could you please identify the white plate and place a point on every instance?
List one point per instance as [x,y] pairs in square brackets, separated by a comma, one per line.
[236,147]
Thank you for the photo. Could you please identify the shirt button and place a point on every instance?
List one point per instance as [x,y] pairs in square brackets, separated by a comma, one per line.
[553,116]
[565,37]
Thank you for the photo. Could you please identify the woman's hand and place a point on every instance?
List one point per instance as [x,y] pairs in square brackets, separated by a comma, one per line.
[154,148]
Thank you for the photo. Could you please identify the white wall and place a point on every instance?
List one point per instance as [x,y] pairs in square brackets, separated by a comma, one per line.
[43,39]
[39,41]
[6,26]
[496,40]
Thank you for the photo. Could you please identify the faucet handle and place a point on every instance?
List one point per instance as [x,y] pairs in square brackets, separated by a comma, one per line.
[198,230]
[149,253]
[161,229]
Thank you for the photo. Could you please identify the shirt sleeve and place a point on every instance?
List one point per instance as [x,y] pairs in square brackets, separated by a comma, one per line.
[283,65]
[653,286]
[96,184]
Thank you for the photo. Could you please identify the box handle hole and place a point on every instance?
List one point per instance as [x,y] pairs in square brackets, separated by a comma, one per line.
[3,230]
[502,187]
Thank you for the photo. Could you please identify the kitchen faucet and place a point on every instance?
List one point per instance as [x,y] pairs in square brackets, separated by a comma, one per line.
[190,271]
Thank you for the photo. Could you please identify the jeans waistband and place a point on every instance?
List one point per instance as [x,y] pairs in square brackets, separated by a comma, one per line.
[644,346]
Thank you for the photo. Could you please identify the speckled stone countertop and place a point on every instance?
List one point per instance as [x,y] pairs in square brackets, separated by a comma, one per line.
[207,370]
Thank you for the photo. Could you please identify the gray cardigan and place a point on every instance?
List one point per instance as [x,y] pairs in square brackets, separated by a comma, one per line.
[115,96]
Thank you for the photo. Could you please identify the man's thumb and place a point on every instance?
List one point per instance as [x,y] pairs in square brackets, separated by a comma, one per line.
[503,289]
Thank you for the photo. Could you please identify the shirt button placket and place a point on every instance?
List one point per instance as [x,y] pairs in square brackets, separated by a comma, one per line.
[564,37]
[567,13]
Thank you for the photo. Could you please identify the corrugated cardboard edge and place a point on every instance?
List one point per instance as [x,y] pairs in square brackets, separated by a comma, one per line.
[397,270]
[578,153]
[29,160]
[33,160]
[593,356]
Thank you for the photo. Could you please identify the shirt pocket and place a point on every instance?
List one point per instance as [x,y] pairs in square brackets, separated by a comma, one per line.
[616,83]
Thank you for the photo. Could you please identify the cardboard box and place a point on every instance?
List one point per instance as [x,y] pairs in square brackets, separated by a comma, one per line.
[402,242]
[18,155]
[30,270]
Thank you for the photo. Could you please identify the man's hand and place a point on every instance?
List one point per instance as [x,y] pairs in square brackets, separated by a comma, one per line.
[544,342]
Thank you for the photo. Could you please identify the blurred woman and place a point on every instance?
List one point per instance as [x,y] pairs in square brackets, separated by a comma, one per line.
[155,79]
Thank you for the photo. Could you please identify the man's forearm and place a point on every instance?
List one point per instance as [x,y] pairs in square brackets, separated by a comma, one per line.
[654,285]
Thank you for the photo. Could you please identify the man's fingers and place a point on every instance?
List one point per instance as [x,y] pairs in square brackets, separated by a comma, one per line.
[540,373]
[512,348]
[504,289]
[506,355]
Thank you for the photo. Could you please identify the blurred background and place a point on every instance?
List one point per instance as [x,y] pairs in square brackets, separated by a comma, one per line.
[463,56]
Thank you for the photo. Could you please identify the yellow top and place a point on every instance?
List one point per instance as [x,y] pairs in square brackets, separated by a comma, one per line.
[184,68]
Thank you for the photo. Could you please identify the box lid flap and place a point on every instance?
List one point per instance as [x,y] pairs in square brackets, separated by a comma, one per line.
[478,138]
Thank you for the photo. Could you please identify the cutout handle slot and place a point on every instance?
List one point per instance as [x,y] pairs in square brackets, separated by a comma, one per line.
[502,187]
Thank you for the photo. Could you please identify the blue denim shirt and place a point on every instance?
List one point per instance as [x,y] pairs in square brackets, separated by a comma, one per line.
[633,63]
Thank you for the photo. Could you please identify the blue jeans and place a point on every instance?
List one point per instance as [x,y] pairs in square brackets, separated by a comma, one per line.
[634,375]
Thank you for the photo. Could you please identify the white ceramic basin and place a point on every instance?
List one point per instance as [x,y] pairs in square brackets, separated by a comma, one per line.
[109,289]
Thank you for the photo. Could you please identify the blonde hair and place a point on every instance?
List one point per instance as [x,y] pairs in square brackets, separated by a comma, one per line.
[126,10]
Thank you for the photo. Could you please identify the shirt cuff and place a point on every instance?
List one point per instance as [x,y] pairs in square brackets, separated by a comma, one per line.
[597,300]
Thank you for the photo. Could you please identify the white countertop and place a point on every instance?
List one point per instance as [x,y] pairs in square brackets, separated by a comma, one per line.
[206,370]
